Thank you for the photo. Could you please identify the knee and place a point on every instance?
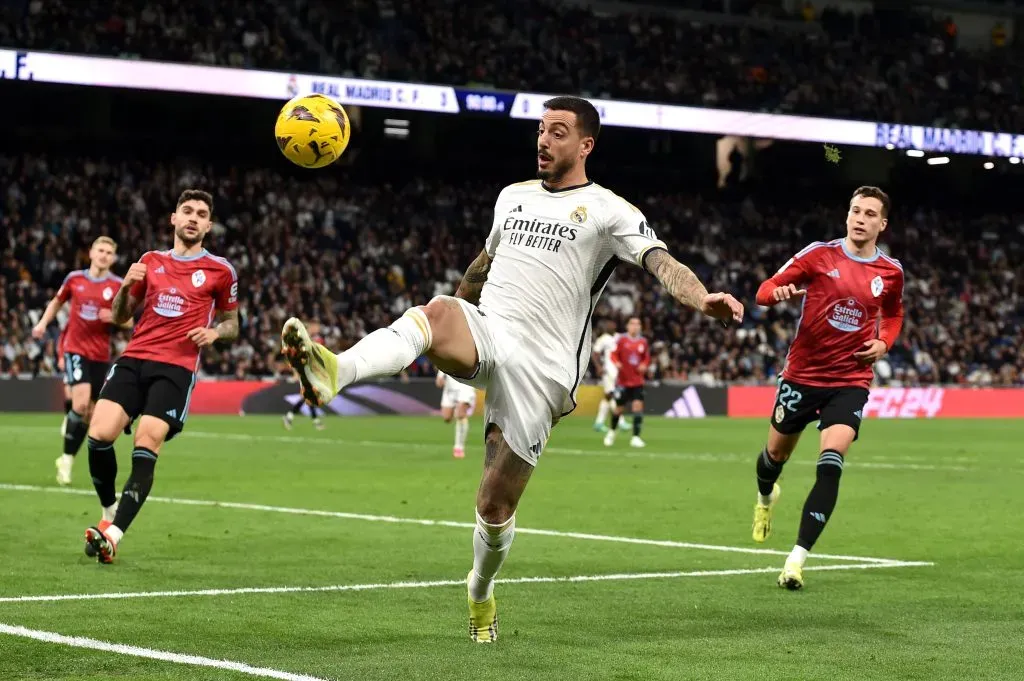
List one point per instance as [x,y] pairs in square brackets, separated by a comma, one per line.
[778,454]
[492,509]
[448,418]
[81,407]
[438,309]
[103,431]
[148,441]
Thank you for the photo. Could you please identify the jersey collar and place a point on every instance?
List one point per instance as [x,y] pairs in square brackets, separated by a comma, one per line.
[857,258]
[187,258]
[549,190]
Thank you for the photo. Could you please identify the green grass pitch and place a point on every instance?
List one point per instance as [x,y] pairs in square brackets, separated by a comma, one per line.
[946,493]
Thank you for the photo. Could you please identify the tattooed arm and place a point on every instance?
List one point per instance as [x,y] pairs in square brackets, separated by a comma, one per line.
[123,308]
[227,325]
[683,285]
[474,278]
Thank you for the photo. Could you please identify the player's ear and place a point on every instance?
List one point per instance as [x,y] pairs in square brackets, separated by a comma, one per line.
[586,146]
[885,223]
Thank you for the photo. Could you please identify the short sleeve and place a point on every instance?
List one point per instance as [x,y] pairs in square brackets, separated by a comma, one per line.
[64,292]
[632,238]
[797,270]
[494,237]
[227,293]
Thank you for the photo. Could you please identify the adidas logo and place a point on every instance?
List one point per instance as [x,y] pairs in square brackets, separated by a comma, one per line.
[820,517]
[159,270]
[834,273]
[859,413]
[535,449]
[173,413]
[517,209]
[688,406]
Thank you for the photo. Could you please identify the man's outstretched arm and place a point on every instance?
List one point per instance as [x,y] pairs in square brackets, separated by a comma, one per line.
[683,285]
[474,278]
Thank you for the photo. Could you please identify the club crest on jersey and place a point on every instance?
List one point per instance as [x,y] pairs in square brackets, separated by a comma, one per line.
[108,293]
[579,216]
[198,278]
[876,286]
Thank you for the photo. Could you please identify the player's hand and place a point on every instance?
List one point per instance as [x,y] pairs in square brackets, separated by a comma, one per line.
[872,351]
[60,362]
[723,307]
[38,331]
[203,336]
[788,292]
[135,274]
[106,316]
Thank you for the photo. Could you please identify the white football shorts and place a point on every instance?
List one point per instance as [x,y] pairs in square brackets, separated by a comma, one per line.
[455,393]
[520,397]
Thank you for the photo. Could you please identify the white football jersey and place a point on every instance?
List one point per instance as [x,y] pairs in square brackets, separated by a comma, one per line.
[553,252]
[604,346]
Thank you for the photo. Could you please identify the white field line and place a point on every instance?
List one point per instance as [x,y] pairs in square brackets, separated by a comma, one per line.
[163,655]
[897,463]
[443,583]
[878,463]
[451,523]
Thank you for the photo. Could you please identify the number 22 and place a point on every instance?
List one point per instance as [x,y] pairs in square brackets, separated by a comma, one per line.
[788,397]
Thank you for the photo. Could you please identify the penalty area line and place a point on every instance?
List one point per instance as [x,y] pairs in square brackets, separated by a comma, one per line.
[617,577]
[457,524]
[162,655]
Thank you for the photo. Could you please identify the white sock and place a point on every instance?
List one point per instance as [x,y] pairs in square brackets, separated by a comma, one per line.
[764,500]
[491,544]
[461,430]
[385,352]
[109,512]
[798,555]
[602,412]
[67,459]
[114,533]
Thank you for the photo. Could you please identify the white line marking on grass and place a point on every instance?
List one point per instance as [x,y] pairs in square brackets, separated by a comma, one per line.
[867,462]
[461,525]
[134,651]
[443,583]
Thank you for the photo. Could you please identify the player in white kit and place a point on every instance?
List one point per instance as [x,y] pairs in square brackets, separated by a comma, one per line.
[602,357]
[458,400]
[519,324]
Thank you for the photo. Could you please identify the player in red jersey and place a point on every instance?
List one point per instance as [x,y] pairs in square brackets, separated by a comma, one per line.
[851,297]
[84,342]
[181,292]
[631,356]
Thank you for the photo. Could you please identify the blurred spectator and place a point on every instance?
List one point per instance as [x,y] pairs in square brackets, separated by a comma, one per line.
[353,259]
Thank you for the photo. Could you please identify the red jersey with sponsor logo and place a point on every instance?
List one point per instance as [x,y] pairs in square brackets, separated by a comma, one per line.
[85,334]
[850,300]
[633,356]
[179,294]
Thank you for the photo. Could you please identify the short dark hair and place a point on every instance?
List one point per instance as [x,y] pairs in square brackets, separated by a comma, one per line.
[870,192]
[195,195]
[587,118]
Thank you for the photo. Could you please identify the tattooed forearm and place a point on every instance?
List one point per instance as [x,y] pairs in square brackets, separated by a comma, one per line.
[474,279]
[678,279]
[227,326]
[122,308]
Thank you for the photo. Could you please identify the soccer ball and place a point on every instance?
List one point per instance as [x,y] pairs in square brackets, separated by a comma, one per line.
[312,131]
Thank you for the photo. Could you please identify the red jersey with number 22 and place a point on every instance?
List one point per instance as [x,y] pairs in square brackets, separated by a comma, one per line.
[179,294]
[849,301]
[85,334]
[631,353]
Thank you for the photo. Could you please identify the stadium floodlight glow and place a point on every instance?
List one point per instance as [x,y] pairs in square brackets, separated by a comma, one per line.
[915,153]
[1014,160]
[890,146]
[938,160]
[989,165]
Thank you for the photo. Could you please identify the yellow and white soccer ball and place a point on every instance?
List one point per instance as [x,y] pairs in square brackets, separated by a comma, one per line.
[312,131]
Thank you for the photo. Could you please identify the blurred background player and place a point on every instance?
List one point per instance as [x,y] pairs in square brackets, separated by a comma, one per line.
[631,357]
[180,291]
[84,342]
[314,411]
[64,378]
[844,287]
[602,361]
[457,399]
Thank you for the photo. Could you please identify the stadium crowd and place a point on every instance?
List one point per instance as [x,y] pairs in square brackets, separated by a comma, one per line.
[357,258]
[891,65]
